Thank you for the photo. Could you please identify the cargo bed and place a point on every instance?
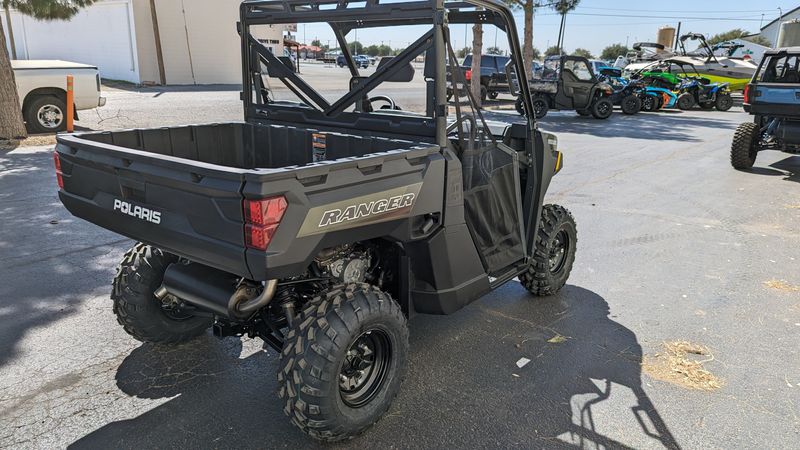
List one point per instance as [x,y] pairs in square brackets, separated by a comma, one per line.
[194,179]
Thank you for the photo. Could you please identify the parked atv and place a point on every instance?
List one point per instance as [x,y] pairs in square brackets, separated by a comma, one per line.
[773,98]
[568,82]
[323,227]
[695,91]
[626,94]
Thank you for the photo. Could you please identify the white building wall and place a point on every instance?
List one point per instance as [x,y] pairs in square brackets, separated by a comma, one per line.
[771,31]
[102,35]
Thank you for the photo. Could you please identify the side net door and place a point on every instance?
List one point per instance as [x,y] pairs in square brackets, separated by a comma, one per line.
[492,198]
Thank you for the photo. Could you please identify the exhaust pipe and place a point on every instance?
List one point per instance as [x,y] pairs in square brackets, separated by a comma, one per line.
[214,290]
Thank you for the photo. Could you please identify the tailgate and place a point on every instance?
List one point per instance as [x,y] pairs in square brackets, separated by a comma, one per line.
[190,208]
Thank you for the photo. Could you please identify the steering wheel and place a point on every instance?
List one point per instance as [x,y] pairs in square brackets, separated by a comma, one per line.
[385,98]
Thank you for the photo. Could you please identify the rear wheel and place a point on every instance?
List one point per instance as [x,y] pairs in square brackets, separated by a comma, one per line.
[601,108]
[556,239]
[723,102]
[631,104]
[46,114]
[685,101]
[484,93]
[140,313]
[343,361]
[540,107]
[745,146]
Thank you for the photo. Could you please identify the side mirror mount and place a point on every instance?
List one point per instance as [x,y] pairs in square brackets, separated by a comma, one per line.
[513,79]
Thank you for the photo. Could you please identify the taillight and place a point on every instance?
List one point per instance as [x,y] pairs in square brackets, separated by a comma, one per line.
[262,218]
[59,174]
[747,94]
[468,74]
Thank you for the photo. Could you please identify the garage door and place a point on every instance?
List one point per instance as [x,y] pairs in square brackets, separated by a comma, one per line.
[101,35]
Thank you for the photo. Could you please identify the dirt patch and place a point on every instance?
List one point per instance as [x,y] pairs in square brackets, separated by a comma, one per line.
[681,363]
[42,139]
[781,285]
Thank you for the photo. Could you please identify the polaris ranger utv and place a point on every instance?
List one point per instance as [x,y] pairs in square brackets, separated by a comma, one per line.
[322,227]
[773,98]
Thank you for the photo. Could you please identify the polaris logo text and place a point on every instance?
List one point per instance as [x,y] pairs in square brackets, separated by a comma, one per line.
[353,212]
[140,212]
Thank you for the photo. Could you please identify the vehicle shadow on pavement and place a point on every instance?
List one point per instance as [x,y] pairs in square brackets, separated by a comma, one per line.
[582,388]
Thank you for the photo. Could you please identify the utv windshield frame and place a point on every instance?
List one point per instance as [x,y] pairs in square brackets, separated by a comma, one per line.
[344,16]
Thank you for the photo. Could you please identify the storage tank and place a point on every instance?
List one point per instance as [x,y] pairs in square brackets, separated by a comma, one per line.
[789,34]
[666,36]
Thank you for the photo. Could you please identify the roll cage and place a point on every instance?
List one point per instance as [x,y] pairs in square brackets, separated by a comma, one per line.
[344,16]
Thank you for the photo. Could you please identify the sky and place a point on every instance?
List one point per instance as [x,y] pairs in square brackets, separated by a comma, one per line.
[598,23]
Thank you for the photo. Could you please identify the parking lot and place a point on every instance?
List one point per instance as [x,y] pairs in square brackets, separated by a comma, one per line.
[674,246]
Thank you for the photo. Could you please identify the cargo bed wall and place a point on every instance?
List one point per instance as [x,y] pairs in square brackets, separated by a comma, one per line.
[244,145]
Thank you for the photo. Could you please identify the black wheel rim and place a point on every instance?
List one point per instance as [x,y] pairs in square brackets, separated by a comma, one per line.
[364,368]
[538,107]
[559,251]
[603,108]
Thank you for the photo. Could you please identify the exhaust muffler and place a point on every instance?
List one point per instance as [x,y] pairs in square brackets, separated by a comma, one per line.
[214,290]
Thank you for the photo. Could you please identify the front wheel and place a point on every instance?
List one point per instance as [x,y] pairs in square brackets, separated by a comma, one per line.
[493,95]
[140,313]
[650,103]
[723,102]
[602,108]
[631,104]
[556,240]
[745,146]
[343,361]
[685,101]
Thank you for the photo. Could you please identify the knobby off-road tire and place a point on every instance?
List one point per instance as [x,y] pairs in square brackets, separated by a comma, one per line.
[631,104]
[137,309]
[601,108]
[685,101]
[744,146]
[723,102]
[323,350]
[556,241]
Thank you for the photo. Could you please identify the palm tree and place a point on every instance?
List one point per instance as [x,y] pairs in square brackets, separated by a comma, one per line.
[563,7]
[11,123]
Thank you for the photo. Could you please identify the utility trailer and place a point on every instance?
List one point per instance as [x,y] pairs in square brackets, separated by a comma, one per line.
[322,226]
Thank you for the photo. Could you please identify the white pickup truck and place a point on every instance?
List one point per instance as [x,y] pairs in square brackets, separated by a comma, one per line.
[42,88]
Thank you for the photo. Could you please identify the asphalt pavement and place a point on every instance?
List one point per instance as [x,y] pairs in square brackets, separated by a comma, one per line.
[674,245]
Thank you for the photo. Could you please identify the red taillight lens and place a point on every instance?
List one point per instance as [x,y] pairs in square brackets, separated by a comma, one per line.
[468,74]
[262,218]
[747,94]
[59,174]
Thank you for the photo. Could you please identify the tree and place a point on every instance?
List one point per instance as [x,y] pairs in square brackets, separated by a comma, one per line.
[528,51]
[477,50]
[583,52]
[552,51]
[316,43]
[536,53]
[738,33]
[356,47]
[494,51]
[611,52]
[372,50]
[12,125]
[463,52]
[563,7]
